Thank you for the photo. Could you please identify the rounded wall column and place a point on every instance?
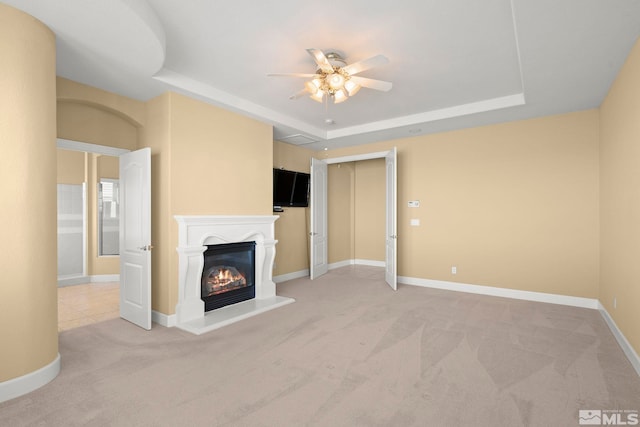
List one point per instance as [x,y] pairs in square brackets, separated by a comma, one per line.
[28,261]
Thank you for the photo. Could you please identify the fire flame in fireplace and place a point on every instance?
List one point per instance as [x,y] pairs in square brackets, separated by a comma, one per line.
[224,278]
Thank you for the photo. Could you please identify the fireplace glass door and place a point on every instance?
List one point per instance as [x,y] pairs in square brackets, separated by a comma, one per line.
[228,276]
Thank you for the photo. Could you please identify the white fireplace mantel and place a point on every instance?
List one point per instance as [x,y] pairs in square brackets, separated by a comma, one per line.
[195,232]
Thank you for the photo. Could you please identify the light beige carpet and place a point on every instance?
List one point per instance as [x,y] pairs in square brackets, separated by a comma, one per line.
[349,352]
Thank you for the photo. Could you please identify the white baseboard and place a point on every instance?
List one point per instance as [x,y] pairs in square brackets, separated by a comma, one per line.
[502,292]
[166,320]
[70,281]
[341,264]
[102,278]
[370,262]
[347,262]
[333,266]
[290,276]
[79,280]
[622,340]
[27,383]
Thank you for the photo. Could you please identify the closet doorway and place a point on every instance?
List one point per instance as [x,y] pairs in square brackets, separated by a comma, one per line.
[319,260]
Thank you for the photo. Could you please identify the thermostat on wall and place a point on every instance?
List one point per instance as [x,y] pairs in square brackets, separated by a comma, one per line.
[414,203]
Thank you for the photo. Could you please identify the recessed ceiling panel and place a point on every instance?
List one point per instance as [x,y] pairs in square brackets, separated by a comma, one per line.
[441,54]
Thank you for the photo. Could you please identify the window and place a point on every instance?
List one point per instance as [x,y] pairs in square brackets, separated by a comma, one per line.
[108,217]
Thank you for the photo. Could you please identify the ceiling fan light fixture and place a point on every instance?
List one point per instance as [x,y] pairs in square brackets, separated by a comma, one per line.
[335,81]
[340,96]
[351,87]
[317,96]
[311,87]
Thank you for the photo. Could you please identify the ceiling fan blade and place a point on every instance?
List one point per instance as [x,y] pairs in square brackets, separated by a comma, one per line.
[321,60]
[372,83]
[365,64]
[310,76]
[300,94]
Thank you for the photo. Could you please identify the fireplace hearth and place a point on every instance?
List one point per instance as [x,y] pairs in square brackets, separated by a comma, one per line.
[228,274]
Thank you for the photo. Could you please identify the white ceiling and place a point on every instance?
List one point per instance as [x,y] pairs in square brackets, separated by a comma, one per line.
[453,63]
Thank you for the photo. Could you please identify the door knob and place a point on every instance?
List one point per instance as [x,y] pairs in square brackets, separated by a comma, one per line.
[146,248]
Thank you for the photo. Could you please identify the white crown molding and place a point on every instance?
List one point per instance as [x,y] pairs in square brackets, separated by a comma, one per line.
[215,96]
[432,116]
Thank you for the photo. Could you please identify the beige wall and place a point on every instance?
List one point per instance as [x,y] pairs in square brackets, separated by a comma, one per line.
[356,211]
[88,114]
[98,166]
[156,135]
[513,205]
[28,295]
[341,212]
[620,199]
[108,167]
[70,166]
[220,161]
[370,212]
[292,228]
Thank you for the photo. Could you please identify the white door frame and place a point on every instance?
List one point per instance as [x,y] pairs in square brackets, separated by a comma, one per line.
[85,147]
[391,219]
[358,157]
[318,252]
[68,144]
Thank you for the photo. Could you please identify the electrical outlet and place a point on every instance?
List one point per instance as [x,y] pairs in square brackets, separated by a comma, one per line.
[454,270]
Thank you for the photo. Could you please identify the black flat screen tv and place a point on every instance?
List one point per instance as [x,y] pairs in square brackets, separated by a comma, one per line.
[290,188]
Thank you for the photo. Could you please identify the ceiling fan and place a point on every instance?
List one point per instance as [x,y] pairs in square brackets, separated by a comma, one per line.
[335,79]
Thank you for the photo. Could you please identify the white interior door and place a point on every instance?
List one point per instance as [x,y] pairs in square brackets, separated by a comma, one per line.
[391,275]
[318,263]
[135,237]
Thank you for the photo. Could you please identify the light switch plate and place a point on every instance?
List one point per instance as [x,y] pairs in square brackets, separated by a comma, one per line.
[415,222]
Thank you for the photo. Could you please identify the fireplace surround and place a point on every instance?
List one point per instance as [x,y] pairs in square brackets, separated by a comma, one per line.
[195,234]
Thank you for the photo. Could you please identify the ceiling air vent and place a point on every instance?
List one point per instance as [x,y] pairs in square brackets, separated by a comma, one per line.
[297,139]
